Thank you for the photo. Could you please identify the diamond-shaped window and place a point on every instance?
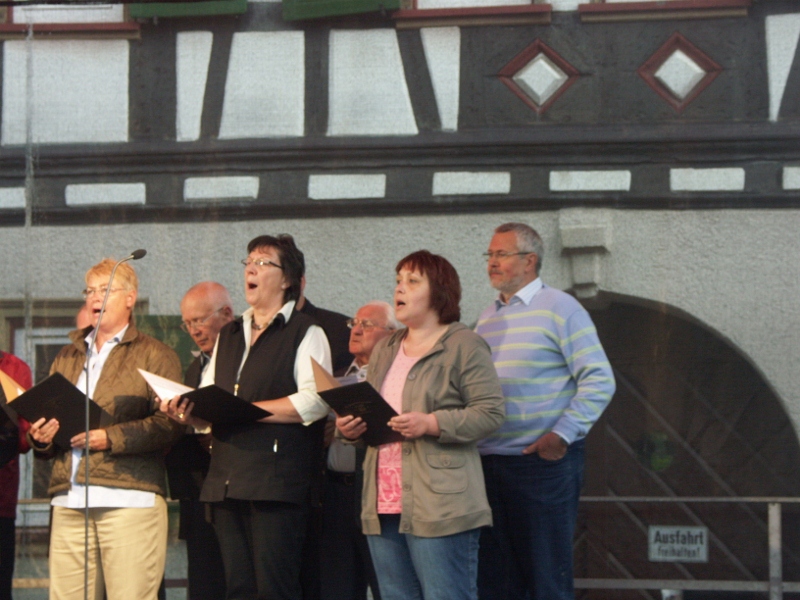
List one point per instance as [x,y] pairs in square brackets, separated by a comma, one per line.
[538,75]
[679,71]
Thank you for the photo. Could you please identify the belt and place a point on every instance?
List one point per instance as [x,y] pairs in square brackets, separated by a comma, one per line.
[342,478]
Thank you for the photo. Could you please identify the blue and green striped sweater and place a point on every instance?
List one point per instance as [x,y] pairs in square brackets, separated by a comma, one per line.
[554,372]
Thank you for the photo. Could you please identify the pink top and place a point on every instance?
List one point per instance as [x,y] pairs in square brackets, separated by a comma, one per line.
[390,461]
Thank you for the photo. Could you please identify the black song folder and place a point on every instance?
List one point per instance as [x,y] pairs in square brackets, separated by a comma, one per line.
[361,400]
[211,403]
[56,398]
[220,407]
[358,400]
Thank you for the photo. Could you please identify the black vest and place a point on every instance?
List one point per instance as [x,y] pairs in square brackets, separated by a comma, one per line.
[261,461]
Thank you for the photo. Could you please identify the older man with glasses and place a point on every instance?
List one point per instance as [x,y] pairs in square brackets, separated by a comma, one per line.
[346,564]
[205,309]
[557,381]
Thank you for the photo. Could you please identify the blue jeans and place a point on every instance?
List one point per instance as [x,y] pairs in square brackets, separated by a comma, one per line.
[417,568]
[527,555]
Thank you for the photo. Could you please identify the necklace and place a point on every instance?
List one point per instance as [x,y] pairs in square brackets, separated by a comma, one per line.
[258,327]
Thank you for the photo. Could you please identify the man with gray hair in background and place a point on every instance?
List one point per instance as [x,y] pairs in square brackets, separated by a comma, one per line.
[346,566]
[557,381]
[205,309]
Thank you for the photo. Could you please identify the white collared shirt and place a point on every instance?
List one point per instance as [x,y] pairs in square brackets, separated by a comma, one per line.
[315,345]
[99,496]
[524,294]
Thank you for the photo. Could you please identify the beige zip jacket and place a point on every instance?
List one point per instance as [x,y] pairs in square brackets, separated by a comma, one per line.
[443,488]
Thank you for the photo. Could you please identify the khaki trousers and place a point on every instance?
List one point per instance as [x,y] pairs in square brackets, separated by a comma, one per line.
[127,552]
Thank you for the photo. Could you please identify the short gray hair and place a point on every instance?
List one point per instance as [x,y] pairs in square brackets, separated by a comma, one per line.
[527,240]
[391,320]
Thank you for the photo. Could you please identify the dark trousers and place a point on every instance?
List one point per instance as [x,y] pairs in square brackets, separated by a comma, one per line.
[309,567]
[346,565]
[261,544]
[7,549]
[206,572]
[527,554]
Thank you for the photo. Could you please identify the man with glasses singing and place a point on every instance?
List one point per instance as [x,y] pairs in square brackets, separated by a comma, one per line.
[346,565]
[557,381]
[205,309]
[127,483]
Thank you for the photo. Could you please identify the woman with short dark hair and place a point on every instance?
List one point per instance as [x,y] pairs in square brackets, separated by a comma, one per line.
[260,473]
[424,500]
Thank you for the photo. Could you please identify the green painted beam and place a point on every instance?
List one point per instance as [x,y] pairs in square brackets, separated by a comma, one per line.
[295,10]
[148,10]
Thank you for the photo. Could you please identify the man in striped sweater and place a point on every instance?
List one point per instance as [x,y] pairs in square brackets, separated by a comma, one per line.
[557,381]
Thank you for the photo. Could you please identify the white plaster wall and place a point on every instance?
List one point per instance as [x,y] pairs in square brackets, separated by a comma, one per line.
[465,182]
[65,91]
[12,197]
[265,90]
[49,13]
[701,262]
[84,194]
[781,33]
[193,53]
[564,5]
[442,47]
[220,188]
[337,187]
[584,181]
[367,90]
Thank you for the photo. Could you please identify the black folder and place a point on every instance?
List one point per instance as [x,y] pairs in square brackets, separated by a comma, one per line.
[57,398]
[362,400]
[220,407]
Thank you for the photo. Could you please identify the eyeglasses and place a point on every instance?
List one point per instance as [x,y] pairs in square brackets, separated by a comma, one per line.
[260,262]
[366,324]
[500,255]
[187,326]
[101,291]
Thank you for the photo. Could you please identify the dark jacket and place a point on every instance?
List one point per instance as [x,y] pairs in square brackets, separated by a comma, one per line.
[336,330]
[188,460]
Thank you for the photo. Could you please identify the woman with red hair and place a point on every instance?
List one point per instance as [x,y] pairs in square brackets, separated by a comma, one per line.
[423,500]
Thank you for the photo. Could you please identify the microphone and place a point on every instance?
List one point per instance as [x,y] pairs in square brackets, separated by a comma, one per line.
[137,254]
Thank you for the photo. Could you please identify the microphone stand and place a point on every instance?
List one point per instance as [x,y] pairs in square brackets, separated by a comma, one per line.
[135,255]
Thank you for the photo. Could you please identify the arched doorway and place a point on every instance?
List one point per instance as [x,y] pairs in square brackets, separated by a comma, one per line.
[691,417]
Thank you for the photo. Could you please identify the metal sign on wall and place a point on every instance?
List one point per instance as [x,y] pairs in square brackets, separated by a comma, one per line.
[669,543]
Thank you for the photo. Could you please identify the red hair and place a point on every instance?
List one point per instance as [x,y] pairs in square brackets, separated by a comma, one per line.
[443,279]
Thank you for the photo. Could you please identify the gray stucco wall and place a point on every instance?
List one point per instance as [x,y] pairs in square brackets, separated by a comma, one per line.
[735,270]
